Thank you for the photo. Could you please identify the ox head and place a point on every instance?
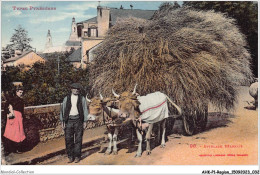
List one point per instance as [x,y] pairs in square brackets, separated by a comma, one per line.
[126,94]
[129,108]
[101,109]
[128,104]
[95,108]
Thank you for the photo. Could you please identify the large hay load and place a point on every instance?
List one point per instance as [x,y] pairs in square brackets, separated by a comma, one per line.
[195,57]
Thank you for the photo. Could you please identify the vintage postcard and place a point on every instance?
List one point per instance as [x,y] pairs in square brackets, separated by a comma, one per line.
[128,83]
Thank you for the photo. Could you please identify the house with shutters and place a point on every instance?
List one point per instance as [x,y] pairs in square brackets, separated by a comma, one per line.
[92,32]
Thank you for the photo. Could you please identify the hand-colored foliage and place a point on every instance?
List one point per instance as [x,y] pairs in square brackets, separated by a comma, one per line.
[42,83]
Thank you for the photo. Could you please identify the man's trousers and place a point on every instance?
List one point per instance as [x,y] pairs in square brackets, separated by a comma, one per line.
[73,137]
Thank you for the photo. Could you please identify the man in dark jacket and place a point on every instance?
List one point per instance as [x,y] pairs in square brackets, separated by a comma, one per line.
[73,117]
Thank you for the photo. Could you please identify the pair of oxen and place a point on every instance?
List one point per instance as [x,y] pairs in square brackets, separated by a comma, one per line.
[121,111]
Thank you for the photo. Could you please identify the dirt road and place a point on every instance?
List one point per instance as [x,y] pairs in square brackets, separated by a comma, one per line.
[230,139]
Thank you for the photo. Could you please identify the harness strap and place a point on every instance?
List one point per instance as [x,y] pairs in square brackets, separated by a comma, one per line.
[110,111]
[139,120]
[104,118]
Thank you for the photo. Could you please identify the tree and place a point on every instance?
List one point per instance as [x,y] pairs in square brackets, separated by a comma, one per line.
[165,7]
[42,83]
[169,5]
[246,15]
[20,40]
[5,53]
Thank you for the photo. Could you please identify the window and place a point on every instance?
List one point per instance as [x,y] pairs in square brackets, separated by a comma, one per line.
[92,31]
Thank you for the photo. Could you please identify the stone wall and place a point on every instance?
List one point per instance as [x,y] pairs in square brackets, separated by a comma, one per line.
[43,123]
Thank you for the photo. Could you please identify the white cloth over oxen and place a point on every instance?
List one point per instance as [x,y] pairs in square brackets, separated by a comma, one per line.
[154,107]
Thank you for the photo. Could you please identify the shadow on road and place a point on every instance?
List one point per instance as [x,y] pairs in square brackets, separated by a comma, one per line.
[215,120]
[127,140]
[88,152]
[218,120]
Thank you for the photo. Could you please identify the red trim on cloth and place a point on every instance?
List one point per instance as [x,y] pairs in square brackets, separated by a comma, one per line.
[154,107]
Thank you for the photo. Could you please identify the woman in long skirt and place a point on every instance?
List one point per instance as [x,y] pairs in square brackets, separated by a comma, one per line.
[14,130]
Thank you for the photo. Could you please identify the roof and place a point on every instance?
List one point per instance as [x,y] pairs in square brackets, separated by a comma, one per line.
[91,50]
[75,56]
[72,43]
[55,49]
[94,19]
[123,13]
[18,57]
[42,55]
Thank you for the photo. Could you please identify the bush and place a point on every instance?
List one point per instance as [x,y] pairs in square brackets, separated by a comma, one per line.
[42,83]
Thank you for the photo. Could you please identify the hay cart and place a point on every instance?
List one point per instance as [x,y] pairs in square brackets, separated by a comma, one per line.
[198,57]
[195,121]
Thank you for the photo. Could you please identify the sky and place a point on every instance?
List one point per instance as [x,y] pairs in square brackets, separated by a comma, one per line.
[38,22]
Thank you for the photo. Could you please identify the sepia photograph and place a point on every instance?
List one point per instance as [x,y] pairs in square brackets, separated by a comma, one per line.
[129,87]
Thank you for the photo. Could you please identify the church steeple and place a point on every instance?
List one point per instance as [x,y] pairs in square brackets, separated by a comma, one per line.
[74,31]
[48,43]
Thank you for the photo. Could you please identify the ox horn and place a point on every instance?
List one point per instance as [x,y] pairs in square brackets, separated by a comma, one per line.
[134,89]
[101,97]
[88,99]
[116,95]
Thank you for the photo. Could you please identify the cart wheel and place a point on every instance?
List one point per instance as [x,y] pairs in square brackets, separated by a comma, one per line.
[169,125]
[189,125]
[201,120]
